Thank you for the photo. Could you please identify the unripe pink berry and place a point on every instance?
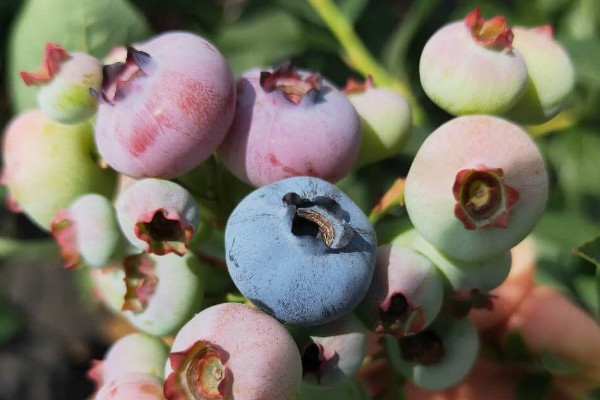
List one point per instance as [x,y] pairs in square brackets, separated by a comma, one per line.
[233,351]
[48,165]
[88,232]
[332,353]
[134,353]
[64,81]
[158,216]
[132,386]
[167,108]
[385,120]
[406,292]
[288,123]
[477,187]
[470,67]
[551,75]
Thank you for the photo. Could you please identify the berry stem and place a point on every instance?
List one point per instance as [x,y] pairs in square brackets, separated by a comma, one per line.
[358,56]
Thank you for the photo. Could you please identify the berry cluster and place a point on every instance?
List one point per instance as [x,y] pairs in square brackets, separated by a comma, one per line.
[302,254]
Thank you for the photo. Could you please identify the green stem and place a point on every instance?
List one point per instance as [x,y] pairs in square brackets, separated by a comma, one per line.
[27,249]
[358,57]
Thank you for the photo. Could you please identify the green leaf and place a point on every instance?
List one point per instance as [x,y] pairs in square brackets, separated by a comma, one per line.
[352,8]
[91,26]
[557,365]
[590,250]
[260,40]
[565,230]
[514,348]
[534,387]
[585,55]
[27,249]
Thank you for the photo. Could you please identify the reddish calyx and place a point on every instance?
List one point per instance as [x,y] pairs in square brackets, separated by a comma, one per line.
[54,56]
[425,348]
[316,360]
[116,78]
[355,87]
[164,232]
[482,199]
[397,317]
[64,230]
[288,80]
[140,282]
[199,373]
[492,33]
[96,373]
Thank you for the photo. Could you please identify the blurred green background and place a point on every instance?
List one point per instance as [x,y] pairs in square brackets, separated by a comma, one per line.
[47,336]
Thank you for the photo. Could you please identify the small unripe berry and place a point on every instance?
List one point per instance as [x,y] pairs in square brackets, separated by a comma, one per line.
[64,81]
[551,75]
[470,282]
[470,67]
[88,232]
[134,353]
[166,108]
[476,187]
[158,216]
[438,357]
[288,123]
[406,292]
[163,292]
[385,120]
[48,165]
[331,353]
[232,350]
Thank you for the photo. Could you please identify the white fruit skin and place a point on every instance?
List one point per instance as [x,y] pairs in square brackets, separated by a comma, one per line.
[467,142]
[97,231]
[66,97]
[132,386]
[464,77]
[461,346]
[177,296]
[229,326]
[109,287]
[463,276]
[386,122]
[412,274]
[151,194]
[339,337]
[137,352]
[551,76]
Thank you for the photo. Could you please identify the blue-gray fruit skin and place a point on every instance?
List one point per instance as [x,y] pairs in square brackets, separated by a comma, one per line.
[286,265]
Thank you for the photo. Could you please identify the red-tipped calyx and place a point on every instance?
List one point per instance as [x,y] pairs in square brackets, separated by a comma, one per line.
[54,56]
[493,32]
[354,86]
[140,282]
[117,77]
[199,373]
[96,373]
[397,317]
[64,230]
[483,200]
[288,80]
[164,232]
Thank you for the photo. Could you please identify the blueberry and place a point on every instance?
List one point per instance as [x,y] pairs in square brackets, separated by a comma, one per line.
[301,250]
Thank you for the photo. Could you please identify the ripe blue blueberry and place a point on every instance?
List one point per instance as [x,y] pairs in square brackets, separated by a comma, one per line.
[301,250]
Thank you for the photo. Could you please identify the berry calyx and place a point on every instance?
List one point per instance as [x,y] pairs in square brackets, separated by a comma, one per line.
[493,32]
[164,231]
[140,281]
[199,373]
[54,56]
[399,316]
[425,348]
[293,86]
[482,199]
[314,360]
